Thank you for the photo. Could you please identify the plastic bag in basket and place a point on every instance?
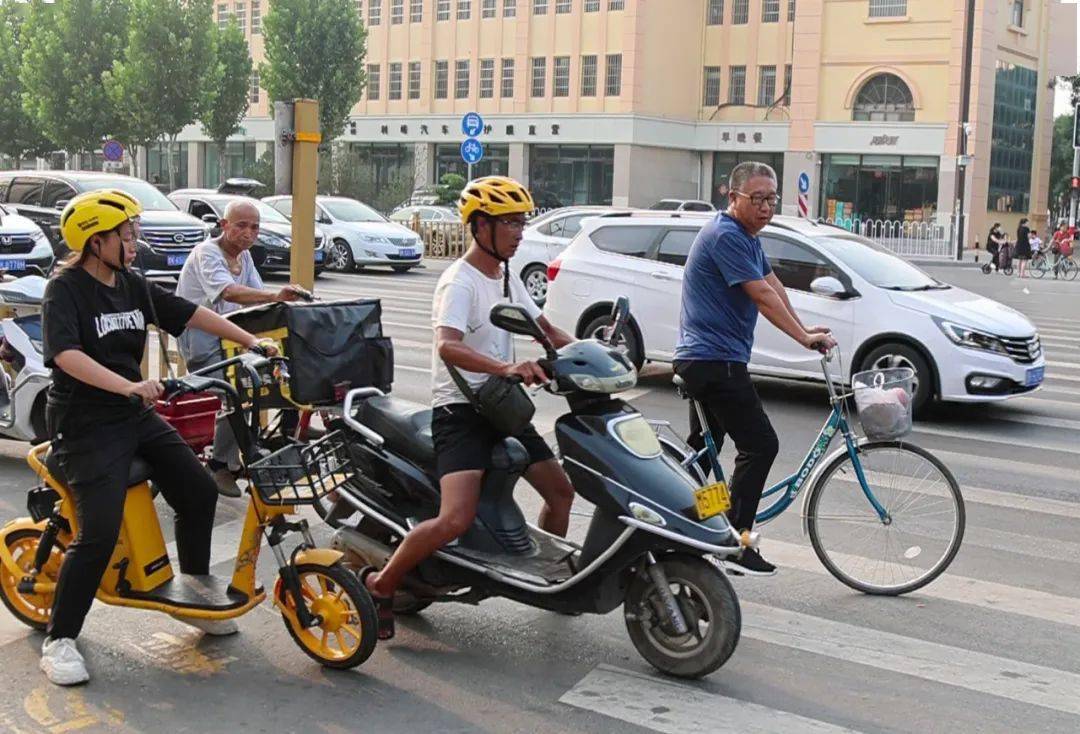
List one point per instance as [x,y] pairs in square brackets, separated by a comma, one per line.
[885,413]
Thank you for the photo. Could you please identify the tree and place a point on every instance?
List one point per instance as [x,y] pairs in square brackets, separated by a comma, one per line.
[20,136]
[71,44]
[315,49]
[1061,160]
[159,84]
[229,83]
[450,186]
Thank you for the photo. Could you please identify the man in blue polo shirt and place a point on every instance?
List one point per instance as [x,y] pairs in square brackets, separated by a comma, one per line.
[727,281]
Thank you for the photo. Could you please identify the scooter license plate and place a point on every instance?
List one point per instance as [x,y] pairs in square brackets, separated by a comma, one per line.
[712,500]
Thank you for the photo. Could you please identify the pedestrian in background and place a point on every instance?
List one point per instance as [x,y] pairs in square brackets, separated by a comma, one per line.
[994,241]
[1022,253]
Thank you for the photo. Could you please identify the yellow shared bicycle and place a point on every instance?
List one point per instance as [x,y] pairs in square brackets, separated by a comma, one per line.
[326,610]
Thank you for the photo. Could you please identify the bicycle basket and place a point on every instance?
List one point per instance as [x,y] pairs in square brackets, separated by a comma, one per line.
[883,400]
[299,474]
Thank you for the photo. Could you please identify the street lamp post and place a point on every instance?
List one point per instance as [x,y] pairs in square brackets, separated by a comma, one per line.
[962,157]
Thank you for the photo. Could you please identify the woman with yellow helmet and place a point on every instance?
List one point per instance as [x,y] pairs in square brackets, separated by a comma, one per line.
[94,319]
[494,208]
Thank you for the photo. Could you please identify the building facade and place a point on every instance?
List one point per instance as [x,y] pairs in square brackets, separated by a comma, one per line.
[630,101]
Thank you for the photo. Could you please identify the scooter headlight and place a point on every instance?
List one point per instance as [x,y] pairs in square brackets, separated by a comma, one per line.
[636,436]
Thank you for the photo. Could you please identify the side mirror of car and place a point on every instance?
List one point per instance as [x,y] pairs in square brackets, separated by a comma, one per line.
[211,219]
[829,286]
[62,204]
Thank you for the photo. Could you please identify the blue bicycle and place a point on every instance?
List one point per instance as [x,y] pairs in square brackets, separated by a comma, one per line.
[884,516]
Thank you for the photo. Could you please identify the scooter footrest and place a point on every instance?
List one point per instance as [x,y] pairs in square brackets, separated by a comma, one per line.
[194,592]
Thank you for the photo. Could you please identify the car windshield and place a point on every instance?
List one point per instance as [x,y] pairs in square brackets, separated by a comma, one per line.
[267,213]
[145,193]
[876,264]
[666,206]
[351,211]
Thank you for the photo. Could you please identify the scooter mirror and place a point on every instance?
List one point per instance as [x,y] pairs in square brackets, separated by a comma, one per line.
[516,320]
[620,314]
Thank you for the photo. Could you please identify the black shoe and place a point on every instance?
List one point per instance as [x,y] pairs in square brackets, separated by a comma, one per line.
[749,563]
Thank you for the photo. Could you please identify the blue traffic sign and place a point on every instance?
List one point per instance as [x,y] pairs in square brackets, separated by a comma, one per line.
[472,150]
[804,183]
[112,150]
[472,124]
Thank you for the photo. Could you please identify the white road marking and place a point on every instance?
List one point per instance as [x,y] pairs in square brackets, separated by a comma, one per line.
[663,705]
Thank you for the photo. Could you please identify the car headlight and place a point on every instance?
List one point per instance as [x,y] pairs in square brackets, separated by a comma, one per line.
[42,246]
[971,338]
[374,239]
[273,240]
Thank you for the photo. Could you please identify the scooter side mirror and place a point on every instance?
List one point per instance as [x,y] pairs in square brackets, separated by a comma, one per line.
[620,315]
[515,319]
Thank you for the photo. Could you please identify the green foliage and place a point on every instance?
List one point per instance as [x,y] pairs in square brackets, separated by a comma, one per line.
[71,44]
[20,135]
[450,187]
[227,88]
[1061,160]
[315,50]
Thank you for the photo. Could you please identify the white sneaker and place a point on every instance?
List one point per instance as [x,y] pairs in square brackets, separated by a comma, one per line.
[62,662]
[215,627]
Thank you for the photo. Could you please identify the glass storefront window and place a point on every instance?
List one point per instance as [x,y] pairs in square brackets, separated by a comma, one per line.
[724,162]
[378,174]
[238,155]
[157,165]
[560,175]
[879,187]
[496,161]
[1012,138]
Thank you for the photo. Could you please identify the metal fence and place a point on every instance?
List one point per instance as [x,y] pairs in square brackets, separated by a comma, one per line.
[447,239]
[907,239]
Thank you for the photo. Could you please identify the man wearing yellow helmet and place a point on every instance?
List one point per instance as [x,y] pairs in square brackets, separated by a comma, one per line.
[494,209]
[94,318]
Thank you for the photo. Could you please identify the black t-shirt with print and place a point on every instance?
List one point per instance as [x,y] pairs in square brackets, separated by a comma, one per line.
[109,325]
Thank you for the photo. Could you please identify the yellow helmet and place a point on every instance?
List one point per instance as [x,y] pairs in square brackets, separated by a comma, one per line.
[495,196]
[95,212]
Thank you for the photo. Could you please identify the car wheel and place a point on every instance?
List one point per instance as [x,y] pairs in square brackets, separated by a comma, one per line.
[598,329]
[536,282]
[896,354]
[341,257]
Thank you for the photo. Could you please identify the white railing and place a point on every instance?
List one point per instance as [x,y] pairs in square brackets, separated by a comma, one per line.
[907,239]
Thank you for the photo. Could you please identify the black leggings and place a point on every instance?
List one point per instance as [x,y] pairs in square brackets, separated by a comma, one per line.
[96,464]
[732,406]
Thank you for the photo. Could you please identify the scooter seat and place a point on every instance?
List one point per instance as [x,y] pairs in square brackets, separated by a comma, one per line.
[405,425]
[139,472]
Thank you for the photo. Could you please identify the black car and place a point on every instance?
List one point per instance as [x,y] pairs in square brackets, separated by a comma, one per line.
[271,251]
[166,234]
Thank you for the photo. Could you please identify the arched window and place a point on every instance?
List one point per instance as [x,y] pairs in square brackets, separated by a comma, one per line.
[884,98]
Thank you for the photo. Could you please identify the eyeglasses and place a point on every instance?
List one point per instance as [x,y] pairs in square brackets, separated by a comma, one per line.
[512,224]
[758,200]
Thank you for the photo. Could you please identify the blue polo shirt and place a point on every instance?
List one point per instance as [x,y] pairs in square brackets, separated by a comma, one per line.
[717,317]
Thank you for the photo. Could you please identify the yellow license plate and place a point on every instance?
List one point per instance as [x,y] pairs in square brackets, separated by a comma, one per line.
[712,500]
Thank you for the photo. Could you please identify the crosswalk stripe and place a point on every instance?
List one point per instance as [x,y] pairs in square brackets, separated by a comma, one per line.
[1025,468]
[672,708]
[975,436]
[1043,421]
[1032,603]
[975,671]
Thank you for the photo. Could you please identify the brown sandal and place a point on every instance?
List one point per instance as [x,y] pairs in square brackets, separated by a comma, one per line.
[384,606]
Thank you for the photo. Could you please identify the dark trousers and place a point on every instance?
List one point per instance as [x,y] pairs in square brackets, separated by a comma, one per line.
[96,460]
[732,407]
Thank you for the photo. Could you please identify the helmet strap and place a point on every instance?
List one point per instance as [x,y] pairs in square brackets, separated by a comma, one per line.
[115,268]
[494,252]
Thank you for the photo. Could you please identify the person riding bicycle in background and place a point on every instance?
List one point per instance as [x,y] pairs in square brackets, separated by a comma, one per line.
[727,281]
[94,317]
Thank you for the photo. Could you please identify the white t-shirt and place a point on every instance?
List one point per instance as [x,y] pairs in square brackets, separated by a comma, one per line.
[463,300]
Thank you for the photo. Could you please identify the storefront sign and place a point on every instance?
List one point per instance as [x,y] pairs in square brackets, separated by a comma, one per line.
[885,140]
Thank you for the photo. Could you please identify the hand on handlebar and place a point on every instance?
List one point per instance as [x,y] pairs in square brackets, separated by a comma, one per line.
[147,392]
[294,292]
[531,373]
[264,348]
[819,339]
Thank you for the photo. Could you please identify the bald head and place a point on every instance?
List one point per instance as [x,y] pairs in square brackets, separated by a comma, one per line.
[239,226]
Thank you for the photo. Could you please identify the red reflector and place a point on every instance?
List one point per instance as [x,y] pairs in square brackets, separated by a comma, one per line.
[553,269]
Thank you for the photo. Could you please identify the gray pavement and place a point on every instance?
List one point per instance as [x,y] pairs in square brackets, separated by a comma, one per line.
[989,647]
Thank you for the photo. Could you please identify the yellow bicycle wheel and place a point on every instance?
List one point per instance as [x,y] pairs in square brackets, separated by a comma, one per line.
[348,629]
[32,610]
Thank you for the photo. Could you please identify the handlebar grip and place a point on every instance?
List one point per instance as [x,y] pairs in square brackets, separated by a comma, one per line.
[546,365]
[135,401]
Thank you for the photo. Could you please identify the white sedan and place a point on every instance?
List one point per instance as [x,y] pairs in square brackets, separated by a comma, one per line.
[883,311]
[359,236]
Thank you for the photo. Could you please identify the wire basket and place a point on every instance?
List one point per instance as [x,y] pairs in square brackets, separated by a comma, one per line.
[299,474]
[883,400]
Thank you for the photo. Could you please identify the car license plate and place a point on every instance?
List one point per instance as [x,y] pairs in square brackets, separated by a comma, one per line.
[12,264]
[318,256]
[408,252]
[712,500]
[1034,376]
[173,260]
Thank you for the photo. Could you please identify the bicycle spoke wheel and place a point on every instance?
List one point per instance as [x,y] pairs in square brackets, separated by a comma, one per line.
[1039,266]
[920,535]
[1071,270]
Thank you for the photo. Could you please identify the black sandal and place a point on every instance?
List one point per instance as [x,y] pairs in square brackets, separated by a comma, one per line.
[384,606]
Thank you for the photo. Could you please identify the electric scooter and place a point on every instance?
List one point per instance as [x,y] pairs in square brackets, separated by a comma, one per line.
[652,545]
[23,375]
